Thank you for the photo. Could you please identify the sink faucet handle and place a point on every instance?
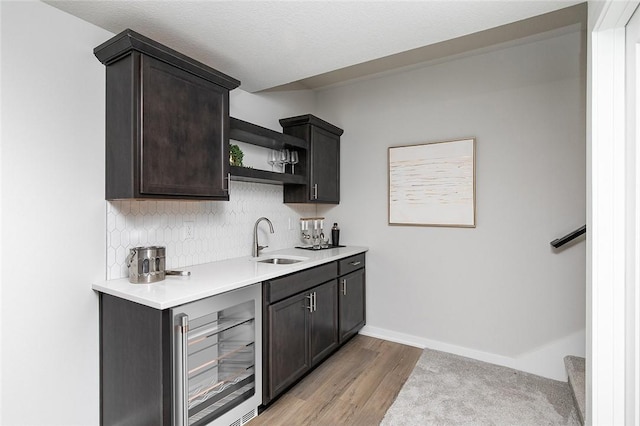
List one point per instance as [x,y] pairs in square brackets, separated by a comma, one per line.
[255,252]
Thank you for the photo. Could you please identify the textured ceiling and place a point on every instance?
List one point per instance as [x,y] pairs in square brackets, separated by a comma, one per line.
[267,44]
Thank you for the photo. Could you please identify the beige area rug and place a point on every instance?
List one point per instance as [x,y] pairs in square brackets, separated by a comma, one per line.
[446,389]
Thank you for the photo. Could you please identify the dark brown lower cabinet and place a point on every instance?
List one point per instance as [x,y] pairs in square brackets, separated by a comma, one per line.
[307,316]
[352,307]
[289,342]
[303,331]
[323,325]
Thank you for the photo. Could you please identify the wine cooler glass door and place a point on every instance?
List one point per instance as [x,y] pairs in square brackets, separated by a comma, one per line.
[217,356]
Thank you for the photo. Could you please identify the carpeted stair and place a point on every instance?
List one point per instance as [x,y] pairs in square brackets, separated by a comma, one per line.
[575,369]
[447,389]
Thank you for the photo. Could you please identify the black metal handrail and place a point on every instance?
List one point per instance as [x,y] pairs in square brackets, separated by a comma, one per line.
[570,236]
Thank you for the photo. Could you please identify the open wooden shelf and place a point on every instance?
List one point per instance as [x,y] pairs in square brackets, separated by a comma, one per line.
[244,131]
[262,176]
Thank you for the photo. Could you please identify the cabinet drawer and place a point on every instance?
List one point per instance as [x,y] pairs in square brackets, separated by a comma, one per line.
[351,264]
[289,285]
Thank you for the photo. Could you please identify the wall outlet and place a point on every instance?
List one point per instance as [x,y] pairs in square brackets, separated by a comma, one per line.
[188,230]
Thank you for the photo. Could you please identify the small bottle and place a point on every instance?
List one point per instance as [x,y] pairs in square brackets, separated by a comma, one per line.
[335,234]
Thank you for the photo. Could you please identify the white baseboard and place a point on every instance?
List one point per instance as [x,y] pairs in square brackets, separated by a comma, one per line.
[546,361]
[393,336]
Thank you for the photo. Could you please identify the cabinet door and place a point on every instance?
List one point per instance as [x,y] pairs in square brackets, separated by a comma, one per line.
[325,166]
[324,321]
[352,303]
[184,130]
[288,343]
[322,160]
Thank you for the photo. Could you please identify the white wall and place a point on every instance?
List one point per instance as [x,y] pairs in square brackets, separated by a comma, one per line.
[54,217]
[265,109]
[497,292]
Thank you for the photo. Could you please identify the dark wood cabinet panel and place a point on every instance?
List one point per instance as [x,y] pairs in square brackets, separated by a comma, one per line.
[282,287]
[167,122]
[351,264]
[135,343]
[325,167]
[184,151]
[288,342]
[323,160]
[324,322]
[352,303]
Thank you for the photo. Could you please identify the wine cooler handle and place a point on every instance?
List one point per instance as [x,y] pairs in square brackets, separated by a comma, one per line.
[182,375]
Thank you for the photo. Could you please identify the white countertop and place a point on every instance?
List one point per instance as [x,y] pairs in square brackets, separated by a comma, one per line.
[210,279]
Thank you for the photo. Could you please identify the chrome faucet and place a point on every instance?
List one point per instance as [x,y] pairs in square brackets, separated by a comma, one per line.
[257,247]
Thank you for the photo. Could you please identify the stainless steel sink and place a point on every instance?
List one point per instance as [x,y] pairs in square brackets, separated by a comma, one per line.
[279,260]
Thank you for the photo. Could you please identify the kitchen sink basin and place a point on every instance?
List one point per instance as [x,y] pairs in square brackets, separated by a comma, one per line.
[280,260]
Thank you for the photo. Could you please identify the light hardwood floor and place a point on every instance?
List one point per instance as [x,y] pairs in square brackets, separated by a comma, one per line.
[355,386]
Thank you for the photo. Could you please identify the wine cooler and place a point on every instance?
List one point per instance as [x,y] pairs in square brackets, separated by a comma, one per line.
[218,359]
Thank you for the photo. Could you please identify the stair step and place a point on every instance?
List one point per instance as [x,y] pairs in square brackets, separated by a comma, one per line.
[575,370]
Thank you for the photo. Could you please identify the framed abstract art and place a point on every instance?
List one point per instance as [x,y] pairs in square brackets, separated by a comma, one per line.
[433,184]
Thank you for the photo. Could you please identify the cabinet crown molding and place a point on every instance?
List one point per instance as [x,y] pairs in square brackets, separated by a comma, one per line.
[311,119]
[129,40]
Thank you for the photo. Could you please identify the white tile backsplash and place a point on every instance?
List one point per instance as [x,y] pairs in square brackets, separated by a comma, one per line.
[222,229]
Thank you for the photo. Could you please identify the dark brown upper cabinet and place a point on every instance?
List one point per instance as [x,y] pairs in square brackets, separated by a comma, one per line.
[322,163]
[167,122]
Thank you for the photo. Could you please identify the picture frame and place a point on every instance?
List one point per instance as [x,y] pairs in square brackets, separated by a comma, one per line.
[433,184]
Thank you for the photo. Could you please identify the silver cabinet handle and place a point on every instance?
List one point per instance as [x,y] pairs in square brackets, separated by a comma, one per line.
[310,297]
[315,191]
[355,263]
[182,375]
[315,301]
[344,287]
[228,179]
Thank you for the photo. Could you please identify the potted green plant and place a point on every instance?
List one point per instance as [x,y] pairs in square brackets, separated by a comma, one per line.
[235,155]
